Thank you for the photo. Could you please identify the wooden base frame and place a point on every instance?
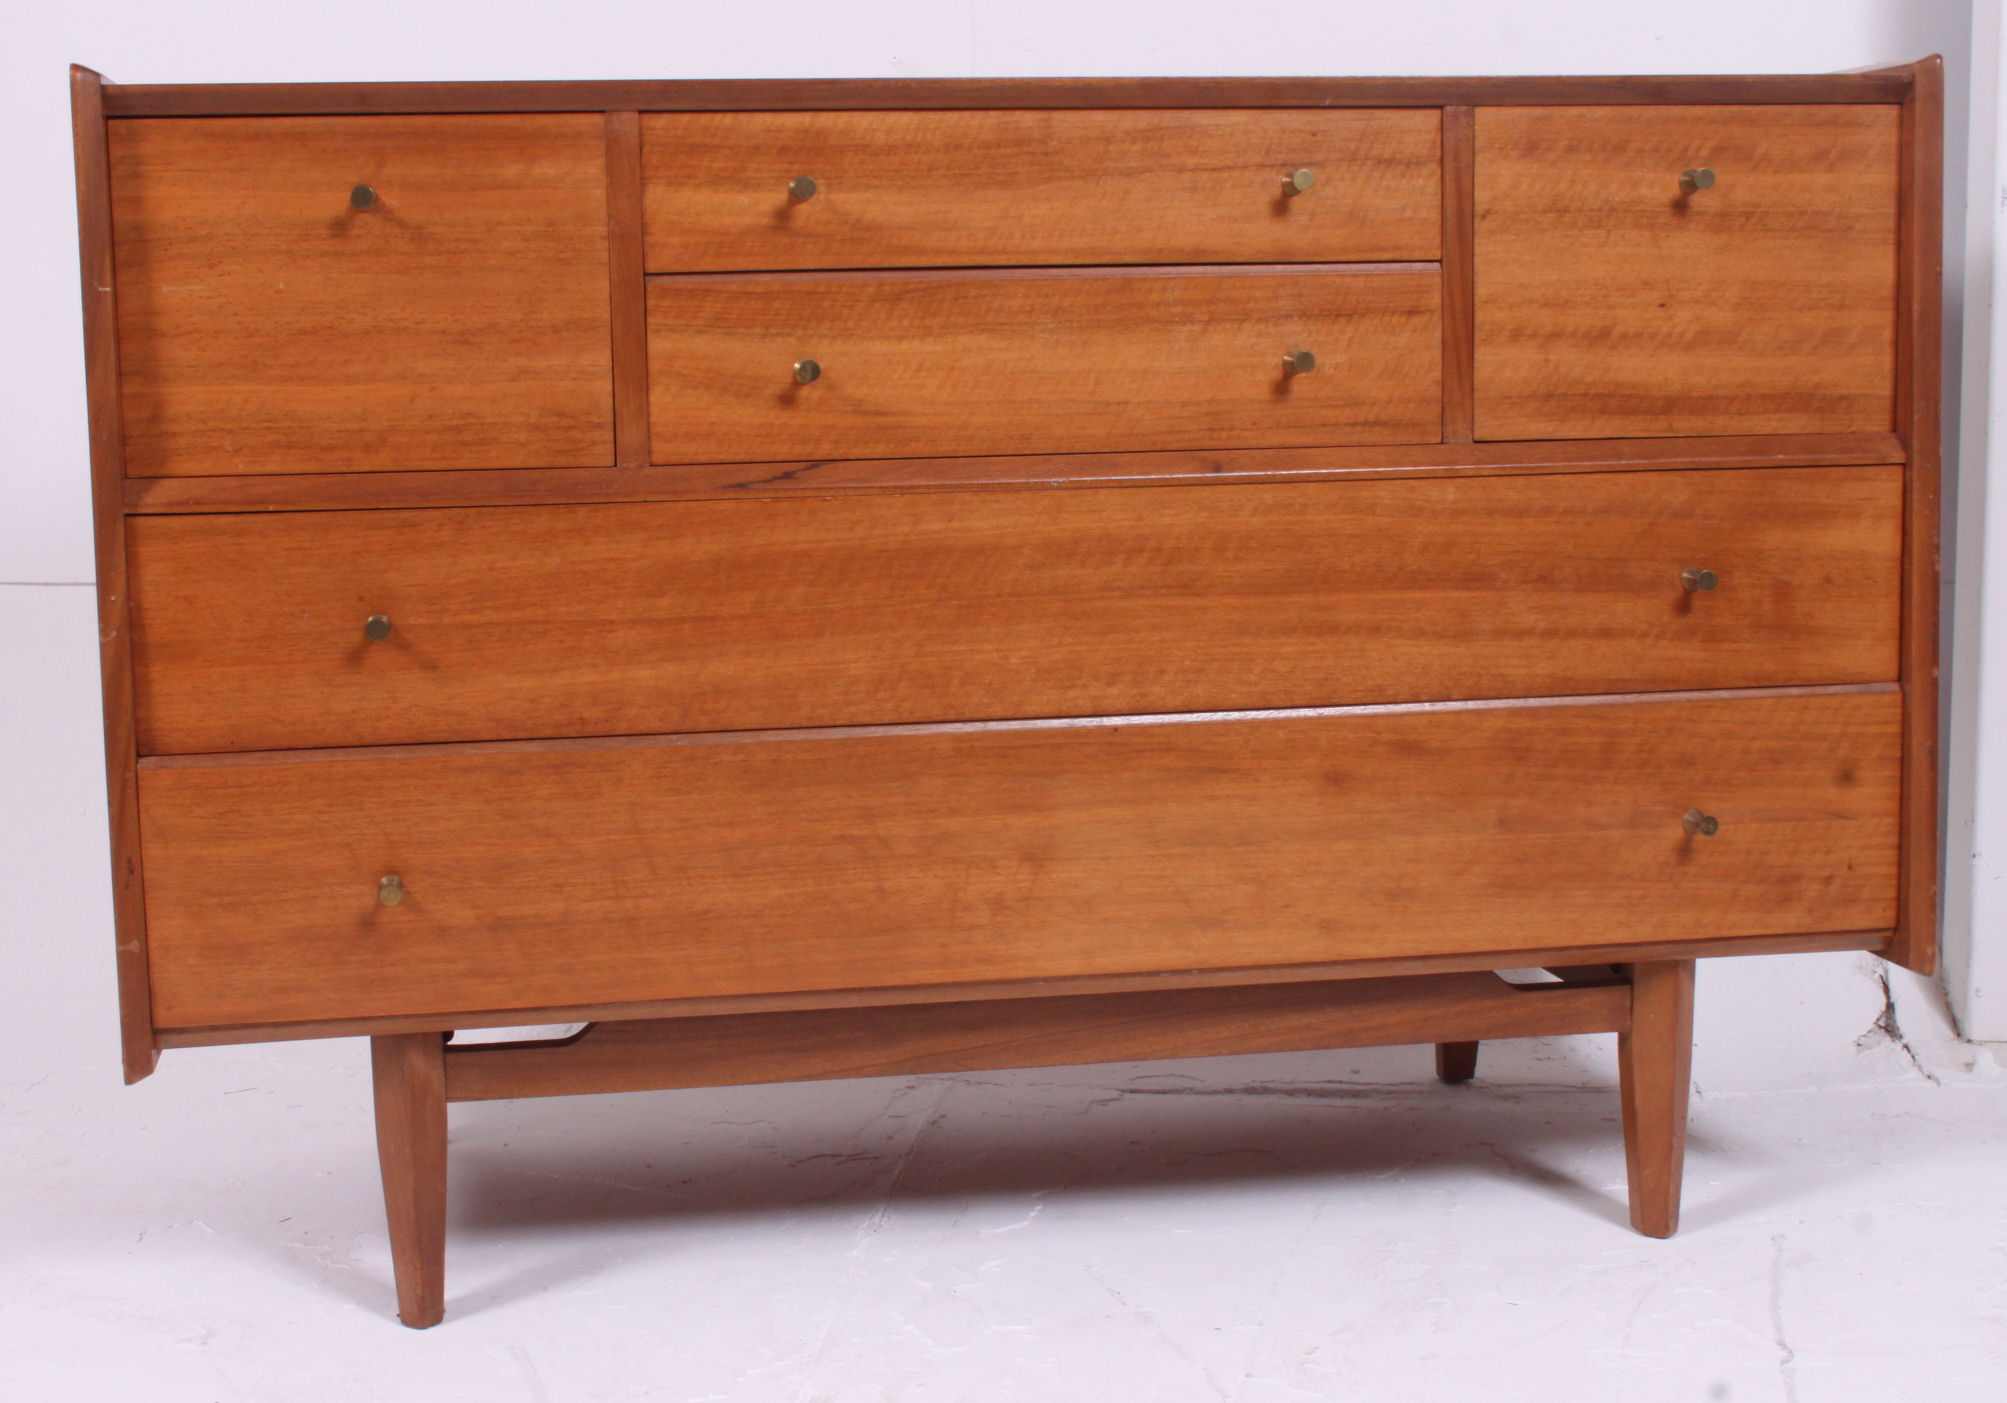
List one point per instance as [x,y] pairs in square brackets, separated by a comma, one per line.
[1649,1006]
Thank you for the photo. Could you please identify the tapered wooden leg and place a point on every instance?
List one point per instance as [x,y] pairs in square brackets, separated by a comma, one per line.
[1456,1062]
[410,1076]
[1655,1063]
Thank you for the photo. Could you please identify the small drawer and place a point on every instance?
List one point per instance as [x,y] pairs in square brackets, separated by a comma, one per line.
[540,876]
[249,632]
[889,365]
[348,294]
[735,190]
[1685,270]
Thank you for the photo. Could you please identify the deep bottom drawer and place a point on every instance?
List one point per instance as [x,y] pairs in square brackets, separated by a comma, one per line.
[541,875]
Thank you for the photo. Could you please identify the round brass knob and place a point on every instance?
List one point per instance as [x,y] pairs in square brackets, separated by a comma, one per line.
[807,372]
[376,627]
[1699,178]
[802,187]
[1299,182]
[362,197]
[1298,362]
[1706,825]
[1694,579]
[390,890]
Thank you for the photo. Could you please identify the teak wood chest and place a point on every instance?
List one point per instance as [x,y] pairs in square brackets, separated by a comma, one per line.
[855,578]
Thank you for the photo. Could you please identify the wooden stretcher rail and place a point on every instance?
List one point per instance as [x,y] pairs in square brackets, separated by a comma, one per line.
[810,1045]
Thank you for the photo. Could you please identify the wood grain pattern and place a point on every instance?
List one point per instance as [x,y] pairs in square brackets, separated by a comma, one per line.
[1047,361]
[1824,942]
[408,1072]
[755,95]
[833,477]
[914,1040]
[700,546]
[963,189]
[1919,410]
[705,616]
[1459,291]
[267,326]
[1655,1071]
[628,289]
[700,866]
[1610,304]
[101,369]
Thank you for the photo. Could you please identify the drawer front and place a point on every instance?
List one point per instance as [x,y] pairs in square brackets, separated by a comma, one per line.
[268,325]
[699,616]
[1611,302]
[1040,361]
[964,189]
[541,876]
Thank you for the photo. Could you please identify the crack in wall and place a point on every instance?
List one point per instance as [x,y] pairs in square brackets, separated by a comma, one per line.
[1888,1028]
[1787,1357]
[1154,1325]
[874,1221]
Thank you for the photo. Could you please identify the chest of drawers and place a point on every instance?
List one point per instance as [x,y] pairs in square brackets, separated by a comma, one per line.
[863,578]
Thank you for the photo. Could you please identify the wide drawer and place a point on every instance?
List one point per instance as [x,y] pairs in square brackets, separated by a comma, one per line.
[545,875]
[1612,300]
[333,294]
[249,631]
[1040,361]
[963,189]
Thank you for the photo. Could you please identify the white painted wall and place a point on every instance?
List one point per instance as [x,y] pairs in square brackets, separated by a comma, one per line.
[1975,966]
[1761,1021]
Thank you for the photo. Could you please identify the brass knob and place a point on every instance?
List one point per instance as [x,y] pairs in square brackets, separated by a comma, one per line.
[802,187]
[1298,362]
[1699,178]
[1694,579]
[1298,182]
[390,890]
[1706,825]
[376,627]
[362,197]
[807,372]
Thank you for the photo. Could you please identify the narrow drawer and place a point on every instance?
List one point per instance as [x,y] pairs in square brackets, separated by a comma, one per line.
[536,876]
[965,189]
[249,631]
[1040,361]
[268,324]
[1613,301]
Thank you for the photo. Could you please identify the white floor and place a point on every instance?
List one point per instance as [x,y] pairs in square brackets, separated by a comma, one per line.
[1323,1226]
